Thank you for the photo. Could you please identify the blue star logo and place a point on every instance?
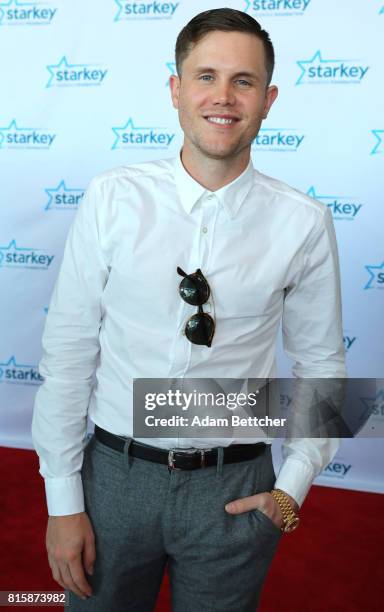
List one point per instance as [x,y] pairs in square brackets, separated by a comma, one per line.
[61,187]
[12,362]
[120,5]
[312,194]
[294,10]
[11,246]
[149,10]
[66,74]
[129,125]
[379,138]
[172,69]
[18,3]
[14,3]
[373,276]
[12,127]
[316,58]
[62,65]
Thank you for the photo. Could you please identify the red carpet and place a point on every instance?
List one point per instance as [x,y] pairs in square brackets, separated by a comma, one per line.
[333,562]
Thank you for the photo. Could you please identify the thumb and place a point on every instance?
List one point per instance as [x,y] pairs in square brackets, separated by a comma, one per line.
[238,506]
[89,553]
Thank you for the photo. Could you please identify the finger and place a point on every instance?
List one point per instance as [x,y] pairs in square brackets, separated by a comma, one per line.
[56,572]
[238,506]
[57,578]
[77,572]
[68,580]
[89,554]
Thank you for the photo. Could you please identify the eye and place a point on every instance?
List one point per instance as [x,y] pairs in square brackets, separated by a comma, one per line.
[205,77]
[243,83]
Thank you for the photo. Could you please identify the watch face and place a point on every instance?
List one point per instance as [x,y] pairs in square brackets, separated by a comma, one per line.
[291,524]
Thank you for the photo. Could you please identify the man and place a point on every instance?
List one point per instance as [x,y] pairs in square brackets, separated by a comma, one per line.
[260,252]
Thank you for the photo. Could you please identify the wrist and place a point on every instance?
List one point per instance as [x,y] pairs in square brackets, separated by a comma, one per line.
[292,501]
[289,509]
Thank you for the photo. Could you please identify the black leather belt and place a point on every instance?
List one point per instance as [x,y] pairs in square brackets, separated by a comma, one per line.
[181,459]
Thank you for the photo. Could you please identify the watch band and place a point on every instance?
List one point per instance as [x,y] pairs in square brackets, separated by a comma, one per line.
[290,518]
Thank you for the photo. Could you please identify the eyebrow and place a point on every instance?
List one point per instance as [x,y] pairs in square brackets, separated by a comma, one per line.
[241,73]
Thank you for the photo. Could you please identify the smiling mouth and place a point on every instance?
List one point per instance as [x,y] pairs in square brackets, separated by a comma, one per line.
[221,120]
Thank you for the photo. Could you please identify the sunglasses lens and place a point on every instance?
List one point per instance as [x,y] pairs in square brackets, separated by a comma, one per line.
[200,329]
[194,290]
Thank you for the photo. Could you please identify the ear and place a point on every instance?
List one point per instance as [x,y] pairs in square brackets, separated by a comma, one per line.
[174,84]
[270,97]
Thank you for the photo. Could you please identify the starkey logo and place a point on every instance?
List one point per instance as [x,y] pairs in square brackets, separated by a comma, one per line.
[131,136]
[12,372]
[145,10]
[379,142]
[17,13]
[318,70]
[63,197]
[14,137]
[276,7]
[348,340]
[343,208]
[376,276]
[13,256]
[374,405]
[278,139]
[64,74]
[337,469]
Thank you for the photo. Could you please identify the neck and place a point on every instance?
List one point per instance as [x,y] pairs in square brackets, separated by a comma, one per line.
[213,173]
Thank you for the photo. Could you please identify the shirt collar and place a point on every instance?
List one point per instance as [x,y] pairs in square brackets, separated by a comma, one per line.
[230,196]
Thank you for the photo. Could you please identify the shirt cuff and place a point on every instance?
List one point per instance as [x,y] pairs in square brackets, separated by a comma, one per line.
[64,495]
[295,478]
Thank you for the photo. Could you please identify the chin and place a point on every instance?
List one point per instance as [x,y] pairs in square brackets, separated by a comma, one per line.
[218,152]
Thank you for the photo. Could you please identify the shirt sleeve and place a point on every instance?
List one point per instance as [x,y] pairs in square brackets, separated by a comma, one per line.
[70,353]
[313,339]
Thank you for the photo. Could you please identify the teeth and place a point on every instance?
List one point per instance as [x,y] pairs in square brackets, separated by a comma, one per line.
[221,120]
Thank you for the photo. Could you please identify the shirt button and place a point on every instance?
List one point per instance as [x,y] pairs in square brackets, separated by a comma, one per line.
[210,196]
[204,229]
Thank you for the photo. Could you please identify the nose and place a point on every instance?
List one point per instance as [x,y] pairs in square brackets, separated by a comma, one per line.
[223,94]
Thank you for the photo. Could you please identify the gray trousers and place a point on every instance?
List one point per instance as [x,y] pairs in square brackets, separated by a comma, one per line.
[145,518]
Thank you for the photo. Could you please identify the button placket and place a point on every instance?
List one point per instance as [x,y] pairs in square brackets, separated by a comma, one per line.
[211,212]
[207,208]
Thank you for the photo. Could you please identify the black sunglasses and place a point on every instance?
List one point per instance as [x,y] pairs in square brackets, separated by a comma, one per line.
[194,290]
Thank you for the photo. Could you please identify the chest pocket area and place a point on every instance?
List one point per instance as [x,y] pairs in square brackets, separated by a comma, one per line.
[241,298]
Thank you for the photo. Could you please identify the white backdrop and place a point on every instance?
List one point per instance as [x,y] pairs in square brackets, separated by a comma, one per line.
[85,88]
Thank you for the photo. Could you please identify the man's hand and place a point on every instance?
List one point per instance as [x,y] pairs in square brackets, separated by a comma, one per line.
[265,502]
[70,543]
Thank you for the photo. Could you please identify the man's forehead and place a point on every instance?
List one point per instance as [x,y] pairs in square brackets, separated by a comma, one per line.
[231,37]
[227,48]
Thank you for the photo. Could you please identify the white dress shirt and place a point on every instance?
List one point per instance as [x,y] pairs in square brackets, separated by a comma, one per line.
[269,254]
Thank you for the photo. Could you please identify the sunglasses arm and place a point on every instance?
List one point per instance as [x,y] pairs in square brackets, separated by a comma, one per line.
[181,272]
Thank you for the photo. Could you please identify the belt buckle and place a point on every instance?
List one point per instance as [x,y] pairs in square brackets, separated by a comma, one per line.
[185,451]
[171,460]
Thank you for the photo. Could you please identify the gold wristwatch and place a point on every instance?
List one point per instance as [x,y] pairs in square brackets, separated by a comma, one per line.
[291,519]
